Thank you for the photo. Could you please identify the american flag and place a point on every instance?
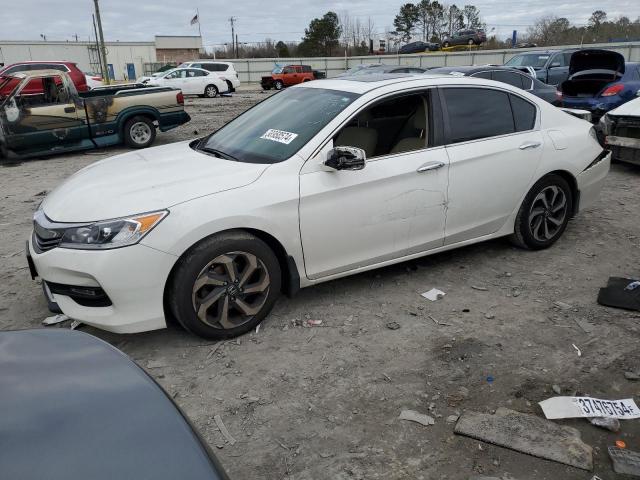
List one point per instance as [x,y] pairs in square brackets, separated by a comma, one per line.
[195,19]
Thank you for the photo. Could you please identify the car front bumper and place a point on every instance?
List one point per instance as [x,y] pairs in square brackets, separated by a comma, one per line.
[132,277]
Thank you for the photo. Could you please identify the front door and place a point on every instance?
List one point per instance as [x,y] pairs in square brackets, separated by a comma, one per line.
[51,120]
[131,71]
[494,149]
[393,207]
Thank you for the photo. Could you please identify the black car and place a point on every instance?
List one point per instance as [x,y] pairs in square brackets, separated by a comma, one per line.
[551,66]
[379,68]
[419,47]
[76,408]
[508,75]
[465,37]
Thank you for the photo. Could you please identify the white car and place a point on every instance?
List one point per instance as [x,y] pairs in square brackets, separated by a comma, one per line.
[323,180]
[93,80]
[192,81]
[225,70]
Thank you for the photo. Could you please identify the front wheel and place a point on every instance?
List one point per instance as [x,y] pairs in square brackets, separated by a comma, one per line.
[225,285]
[211,91]
[470,42]
[139,132]
[279,85]
[544,213]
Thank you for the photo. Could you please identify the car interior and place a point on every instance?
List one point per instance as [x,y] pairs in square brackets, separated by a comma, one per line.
[397,125]
[53,93]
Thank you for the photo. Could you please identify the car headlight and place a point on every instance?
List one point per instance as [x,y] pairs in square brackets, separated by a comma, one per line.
[119,232]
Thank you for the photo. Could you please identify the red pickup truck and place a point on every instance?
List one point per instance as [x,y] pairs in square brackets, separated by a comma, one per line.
[289,75]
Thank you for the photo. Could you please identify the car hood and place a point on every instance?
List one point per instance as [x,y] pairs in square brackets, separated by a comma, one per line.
[629,109]
[143,181]
[595,59]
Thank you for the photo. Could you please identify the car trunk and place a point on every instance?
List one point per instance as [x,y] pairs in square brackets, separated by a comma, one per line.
[591,71]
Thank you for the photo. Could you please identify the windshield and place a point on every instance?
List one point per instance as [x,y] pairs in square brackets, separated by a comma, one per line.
[534,60]
[278,127]
[277,70]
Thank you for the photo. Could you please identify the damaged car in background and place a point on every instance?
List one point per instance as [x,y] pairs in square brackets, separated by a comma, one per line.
[621,130]
[599,81]
[54,117]
[324,180]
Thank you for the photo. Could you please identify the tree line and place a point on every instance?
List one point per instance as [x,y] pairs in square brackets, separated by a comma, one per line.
[333,35]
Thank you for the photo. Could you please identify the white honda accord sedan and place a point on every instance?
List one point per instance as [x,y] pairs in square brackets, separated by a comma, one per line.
[320,181]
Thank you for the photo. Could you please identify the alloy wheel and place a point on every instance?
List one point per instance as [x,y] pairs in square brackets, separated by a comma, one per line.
[211,91]
[230,290]
[547,213]
[140,132]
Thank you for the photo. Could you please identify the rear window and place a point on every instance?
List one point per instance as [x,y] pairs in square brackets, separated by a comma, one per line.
[215,67]
[511,78]
[476,113]
[524,113]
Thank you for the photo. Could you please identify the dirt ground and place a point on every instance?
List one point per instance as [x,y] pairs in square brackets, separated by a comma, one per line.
[323,402]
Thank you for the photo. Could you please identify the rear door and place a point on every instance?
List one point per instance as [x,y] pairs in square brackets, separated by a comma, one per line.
[494,147]
[558,68]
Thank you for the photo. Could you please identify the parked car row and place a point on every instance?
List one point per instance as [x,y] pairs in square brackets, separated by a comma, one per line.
[466,36]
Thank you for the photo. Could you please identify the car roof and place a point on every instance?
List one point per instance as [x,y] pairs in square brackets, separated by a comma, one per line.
[208,61]
[361,84]
[35,73]
[469,69]
[544,52]
[66,62]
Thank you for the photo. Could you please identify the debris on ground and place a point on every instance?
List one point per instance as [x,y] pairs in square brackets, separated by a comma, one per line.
[587,407]
[482,289]
[621,293]
[434,294]
[55,319]
[75,324]
[393,325]
[611,424]
[625,461]
[577,349]
[556,389]
[563,305]
[452,418]
[223,430]
[528,434]
[314,323]
[413,416]
[633,376]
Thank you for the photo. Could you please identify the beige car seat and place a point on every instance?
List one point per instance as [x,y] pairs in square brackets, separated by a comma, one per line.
[414,143]
[360,136]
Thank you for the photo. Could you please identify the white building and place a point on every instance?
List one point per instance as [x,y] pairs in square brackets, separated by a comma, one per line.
[126,60]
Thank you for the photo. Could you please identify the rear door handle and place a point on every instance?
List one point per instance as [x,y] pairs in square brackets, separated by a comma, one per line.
[528,145]
[430,166]
[69,109]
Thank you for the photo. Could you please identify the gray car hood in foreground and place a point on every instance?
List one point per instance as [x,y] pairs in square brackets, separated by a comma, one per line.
[75,408]
[143,181]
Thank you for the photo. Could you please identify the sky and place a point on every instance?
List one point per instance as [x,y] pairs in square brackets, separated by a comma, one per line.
[140,20]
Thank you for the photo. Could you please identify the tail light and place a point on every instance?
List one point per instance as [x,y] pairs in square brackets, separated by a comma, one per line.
[612,90]
[180,98]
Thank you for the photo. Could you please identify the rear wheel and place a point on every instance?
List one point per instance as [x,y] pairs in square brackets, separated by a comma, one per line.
[225,285]
[230,87]
[446,44]
[139,132]
[211,91]
[278,85]
[544,213]
[470,42]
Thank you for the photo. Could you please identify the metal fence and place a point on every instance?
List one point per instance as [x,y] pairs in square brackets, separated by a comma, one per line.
[251,69]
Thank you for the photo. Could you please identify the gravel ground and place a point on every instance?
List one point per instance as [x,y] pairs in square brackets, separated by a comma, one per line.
[323,402]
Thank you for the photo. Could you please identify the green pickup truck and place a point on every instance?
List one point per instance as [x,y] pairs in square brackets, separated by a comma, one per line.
[56,118]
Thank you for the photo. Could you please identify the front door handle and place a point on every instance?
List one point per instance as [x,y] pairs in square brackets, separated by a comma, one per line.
[528,145]
[430,166]
[69,109]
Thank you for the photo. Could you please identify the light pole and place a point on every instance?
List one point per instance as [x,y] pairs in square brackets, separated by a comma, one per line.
[103,49]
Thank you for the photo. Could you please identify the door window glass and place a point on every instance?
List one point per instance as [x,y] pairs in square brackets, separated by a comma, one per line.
[511,78]
[524,113]
[486,75]
[476,113]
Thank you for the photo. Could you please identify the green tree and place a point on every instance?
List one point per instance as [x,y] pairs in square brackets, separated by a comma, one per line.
[322,37]
[282,49]
[406,21]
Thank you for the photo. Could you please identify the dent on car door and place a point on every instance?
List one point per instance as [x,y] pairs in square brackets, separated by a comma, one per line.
[391,208]
[51,120]
[494,148]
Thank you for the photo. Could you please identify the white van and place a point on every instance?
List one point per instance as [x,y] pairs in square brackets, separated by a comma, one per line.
[225,70]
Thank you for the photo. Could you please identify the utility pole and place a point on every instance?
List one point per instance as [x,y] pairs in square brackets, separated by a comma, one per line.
[103,49]
[233,34]
[95,31]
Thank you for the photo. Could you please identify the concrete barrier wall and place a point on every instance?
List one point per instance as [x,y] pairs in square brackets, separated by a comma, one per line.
[251,69]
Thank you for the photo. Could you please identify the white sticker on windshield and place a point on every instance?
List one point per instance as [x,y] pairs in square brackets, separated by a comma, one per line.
[279,136]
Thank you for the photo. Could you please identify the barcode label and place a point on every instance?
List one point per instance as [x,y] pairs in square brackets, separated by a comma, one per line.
[575,407]
[279,136]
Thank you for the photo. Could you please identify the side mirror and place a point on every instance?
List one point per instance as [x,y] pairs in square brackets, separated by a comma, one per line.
[346,158]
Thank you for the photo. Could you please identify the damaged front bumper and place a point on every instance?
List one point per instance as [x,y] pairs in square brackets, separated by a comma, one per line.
[622,137]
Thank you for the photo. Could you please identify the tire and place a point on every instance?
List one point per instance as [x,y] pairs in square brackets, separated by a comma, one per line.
[278,85]
[266,88]
[202,272]
[544,213]
[230,88]
[470,42]
[446,45]
[211,91]
[139,132]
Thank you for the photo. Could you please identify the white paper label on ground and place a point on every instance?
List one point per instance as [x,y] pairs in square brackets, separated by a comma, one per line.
[433,294]
[279,136]
[586,407]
